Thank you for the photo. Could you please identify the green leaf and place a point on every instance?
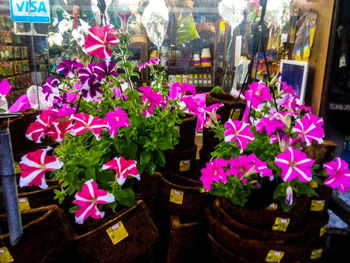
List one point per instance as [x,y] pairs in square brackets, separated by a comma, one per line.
[126,197]
[145,157]
[164,143]
[160,157]
[73,209]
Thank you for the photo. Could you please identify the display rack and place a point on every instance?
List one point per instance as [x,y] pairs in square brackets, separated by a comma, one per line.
[14,60]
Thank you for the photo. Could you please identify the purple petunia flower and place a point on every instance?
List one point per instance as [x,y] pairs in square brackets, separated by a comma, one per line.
[50,87]
[106,68]
[91,82]
[68,67]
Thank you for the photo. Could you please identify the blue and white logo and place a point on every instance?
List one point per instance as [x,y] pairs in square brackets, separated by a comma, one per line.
[37,11]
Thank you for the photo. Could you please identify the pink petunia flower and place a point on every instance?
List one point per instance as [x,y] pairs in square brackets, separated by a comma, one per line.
[59,129]
[88,199]
[188,88]
[211,115]
[257,93]
[339,174]
[84,122]
[240,166]
[270,125]
[310,129]
[116,119]
[123,169]
[34,165]
[214,172]
[238,131]
[21,104]
[98,39]
[150,99]
[5,88]
[294,164]
[39,128]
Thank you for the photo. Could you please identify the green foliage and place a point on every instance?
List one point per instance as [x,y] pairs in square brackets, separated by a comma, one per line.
[217,89]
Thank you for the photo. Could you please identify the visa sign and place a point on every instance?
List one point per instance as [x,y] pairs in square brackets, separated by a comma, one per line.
[37,11]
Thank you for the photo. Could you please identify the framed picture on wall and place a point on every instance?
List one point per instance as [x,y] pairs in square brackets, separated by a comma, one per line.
[295,73]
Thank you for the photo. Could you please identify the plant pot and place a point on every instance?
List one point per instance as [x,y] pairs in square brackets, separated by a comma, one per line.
[147,189]
[220,254]
[185,240]
[18,128]
[209,144]
[46,233]
[180,195]
[96,245]
[321,153]
[255,249]
[33,197]
[181,161]
[254,232]
[261,198]
[187,130]
[226,112]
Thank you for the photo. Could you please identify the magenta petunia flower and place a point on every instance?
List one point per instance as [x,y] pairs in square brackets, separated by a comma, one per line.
[88,199]
[211,114]
[98,39]
[34,165]
[68,67]
[270,125]
[5,88]
[214,172]
[116,119]
[339,174]
[21,104]
[287,88]
[294,164]
[123,169]
[150,99]
[287,101]
[238,131]
[240,166]
[261,167]
[310,129]
[39,128]
[59,129]
[257,93]
[188,88]
[84,122]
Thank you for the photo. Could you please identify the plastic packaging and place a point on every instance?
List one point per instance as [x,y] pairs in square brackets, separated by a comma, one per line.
[186,28]
[34,93]
[232,11]
[155,19]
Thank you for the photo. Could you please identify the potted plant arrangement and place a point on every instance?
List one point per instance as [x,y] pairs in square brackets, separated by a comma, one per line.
[264,179]
[111,134]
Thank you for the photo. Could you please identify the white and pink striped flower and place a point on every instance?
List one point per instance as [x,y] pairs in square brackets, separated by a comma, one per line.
[34,165]
[88,199]
[123,169]
[39,128]
[98,39]
[84,122]
[59,129]
[238,131]
[310,129]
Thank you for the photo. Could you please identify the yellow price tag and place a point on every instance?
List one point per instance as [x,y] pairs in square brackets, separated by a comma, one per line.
[313,184]
[273,206]
[17,168]
[234,115]
[274,256]
[176,196]
[185,165]
[222,25]
[5,255]
[117,232]
[23,204]
[323,230]
[317,205]
[281,224]
[316,253]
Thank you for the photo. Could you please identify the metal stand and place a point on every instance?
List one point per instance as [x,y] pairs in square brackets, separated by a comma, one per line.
[8,178]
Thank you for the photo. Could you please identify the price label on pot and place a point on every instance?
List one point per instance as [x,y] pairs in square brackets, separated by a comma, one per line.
[117,232]
[234,115]
[313,184]
[316,253]
[23,204]
[273,206]
[281,224]
[274,256]
[317,205]
[176,196]
[5,255]
[323,230]
[17,168]
[185,165]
